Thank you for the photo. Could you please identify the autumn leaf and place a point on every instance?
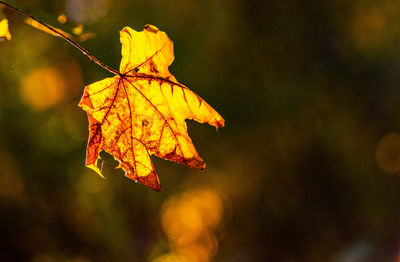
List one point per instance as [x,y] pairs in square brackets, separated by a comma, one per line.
[4,33]
[141,111]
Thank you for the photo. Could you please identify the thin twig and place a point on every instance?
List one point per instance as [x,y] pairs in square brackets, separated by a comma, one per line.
[83,50]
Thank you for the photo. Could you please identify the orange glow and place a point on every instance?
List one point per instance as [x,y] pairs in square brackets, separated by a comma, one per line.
[85,36]
[208,204]
[62,19]
[189,220]
[142,111]
[182,222]
[194,253]
[43,88]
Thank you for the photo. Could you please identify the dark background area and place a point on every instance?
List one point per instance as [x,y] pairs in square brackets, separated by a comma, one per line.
[306,169]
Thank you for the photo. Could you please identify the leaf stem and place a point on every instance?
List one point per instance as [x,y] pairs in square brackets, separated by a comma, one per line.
[76,45]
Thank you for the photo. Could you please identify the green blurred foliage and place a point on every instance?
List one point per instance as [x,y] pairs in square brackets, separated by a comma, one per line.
[307,167]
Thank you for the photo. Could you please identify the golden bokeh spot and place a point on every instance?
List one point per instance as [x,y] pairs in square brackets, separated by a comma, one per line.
[77,30]
[182,222]
[388,153]
[208,241]
[4,33]
[189,220]
[209,205]
[62,19]
[85,36]
[370,26]
[366,23]
[194,253]
[43,88]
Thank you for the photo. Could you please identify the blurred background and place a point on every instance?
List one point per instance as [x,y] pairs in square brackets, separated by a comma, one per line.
[306,169]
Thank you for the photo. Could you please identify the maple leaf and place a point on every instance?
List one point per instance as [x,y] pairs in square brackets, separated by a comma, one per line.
[4,33]
[141,111]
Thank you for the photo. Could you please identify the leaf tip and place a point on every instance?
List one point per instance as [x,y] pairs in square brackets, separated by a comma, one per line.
[196,163]
[86,102]
[96,169]
[126,30]
[220,123]
[151,180]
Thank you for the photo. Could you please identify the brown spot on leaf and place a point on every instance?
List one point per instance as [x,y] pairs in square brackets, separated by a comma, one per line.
[153,68]
[145,122]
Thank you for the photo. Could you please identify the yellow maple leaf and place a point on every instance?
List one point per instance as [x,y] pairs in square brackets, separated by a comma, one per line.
[4,33]
[142,110]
